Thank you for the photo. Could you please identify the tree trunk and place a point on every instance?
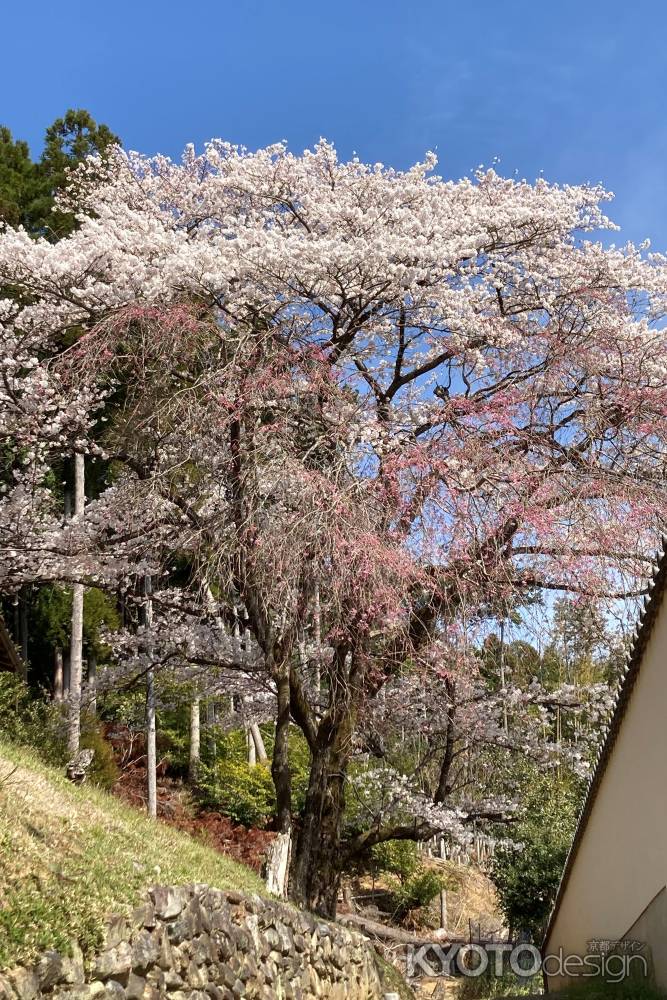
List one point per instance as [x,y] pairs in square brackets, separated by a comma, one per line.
[260,749]
[502,676]
[317,637]
[76,643]
[58,676]
[66,675]
[151,739]
[23,616]
[280,769]
[278,859]
[316,870]
[211,729]
[151,751]
[252,750]
[195,741]
[443,909]
[444,779]
[277,864]
[92,682]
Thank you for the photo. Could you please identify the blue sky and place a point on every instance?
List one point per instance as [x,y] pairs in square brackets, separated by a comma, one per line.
[574,89]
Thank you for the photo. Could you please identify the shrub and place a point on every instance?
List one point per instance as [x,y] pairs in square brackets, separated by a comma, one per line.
[26,720]
[103,771]
[488,986]
[412,884]
[246,793]
[242,792]
[527,873]
[416,891]
[398,857]
[30,721]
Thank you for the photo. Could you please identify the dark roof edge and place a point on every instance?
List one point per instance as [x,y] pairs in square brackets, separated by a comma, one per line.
[643,630]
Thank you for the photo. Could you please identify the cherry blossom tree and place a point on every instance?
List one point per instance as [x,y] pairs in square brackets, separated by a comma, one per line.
[372,409]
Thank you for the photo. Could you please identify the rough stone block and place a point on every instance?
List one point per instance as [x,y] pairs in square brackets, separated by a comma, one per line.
[144,915]
[145,950]
[135,987]
[114,990]
[113,963]
[168,900]
[24,983]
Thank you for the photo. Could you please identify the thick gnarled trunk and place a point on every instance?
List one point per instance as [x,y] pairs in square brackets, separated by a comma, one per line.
[316,870]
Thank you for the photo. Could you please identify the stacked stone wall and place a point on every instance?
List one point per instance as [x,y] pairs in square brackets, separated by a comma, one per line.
[190,942]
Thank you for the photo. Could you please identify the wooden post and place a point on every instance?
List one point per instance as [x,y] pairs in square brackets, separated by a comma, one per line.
[443,909]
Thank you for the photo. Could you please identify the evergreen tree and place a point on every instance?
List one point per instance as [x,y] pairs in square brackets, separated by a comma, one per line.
[527,869]
[68,141]
[17,179]
[27,188]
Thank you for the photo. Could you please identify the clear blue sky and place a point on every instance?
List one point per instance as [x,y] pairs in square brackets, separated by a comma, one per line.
[576,89]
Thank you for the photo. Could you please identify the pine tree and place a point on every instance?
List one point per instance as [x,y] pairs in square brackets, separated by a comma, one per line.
[68,141]
[18,179]
[27,188]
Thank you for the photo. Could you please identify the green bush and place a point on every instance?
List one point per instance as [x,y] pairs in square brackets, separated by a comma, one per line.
[527,873]
[243,793]
[416,891]
[103,772]
[412,884]
[26,720]
[246,793]
[29,721]
[397,857]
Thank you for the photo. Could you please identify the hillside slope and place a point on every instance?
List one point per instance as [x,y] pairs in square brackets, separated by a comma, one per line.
[69,856]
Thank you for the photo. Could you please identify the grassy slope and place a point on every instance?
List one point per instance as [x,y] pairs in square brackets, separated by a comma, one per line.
[69,856]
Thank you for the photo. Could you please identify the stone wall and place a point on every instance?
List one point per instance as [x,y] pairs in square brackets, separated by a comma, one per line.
[197,942]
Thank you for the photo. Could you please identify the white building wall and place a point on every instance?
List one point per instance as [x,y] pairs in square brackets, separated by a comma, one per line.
[621,862]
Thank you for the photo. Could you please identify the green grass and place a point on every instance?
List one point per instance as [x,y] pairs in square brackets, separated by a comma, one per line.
[488,986]
[70,856]
[631,988]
